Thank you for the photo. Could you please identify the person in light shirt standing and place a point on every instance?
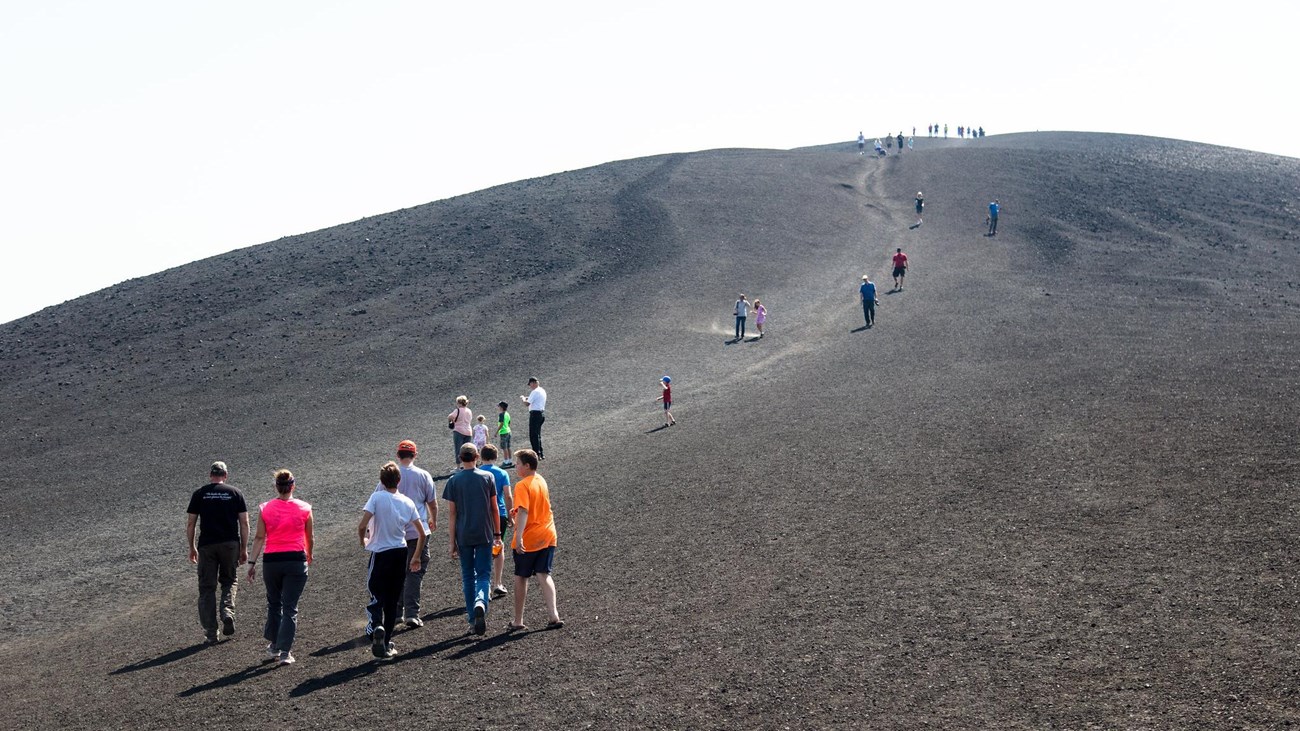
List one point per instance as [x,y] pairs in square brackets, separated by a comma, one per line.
[536,400]
[284,529]
[742,314]
[459,422]
[534,540]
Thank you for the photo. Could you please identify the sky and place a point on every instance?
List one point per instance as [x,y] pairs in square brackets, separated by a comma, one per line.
[140,135]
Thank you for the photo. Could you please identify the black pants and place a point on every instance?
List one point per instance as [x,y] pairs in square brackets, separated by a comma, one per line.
[740,333]
[993,228]
[409,601]
[535,420]
[387,575]
[868,314]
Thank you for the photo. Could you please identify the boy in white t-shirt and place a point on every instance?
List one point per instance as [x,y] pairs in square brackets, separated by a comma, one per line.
[386,515]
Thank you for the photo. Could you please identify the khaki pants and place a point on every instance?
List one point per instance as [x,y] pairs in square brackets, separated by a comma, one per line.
[217,565]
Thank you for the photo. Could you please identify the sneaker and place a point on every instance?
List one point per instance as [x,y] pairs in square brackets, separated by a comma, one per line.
[414,622]
[499,591]
[211,639]
[228,626]
[378,646]
[507,464]
[271,652]
[390,650]
[480,619]
[287,658]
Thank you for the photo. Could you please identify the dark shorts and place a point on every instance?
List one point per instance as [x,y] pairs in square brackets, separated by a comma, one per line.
[503,441]
[668,405]
[534,562]
[900,271]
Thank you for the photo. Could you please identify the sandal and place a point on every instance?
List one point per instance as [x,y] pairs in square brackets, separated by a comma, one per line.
[555,624]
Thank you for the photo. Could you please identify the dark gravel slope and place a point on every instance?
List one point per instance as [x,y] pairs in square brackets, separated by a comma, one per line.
[1053,488]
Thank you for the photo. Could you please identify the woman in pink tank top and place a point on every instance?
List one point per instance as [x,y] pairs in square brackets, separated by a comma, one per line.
[284,532]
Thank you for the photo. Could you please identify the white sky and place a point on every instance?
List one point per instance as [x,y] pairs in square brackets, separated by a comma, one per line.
[138,135]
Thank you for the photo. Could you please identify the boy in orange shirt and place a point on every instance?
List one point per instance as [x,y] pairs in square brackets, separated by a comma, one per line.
[534,539]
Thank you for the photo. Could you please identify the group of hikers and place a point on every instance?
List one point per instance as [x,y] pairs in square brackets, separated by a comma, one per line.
[962,131]
[889,143]
[882,150]
[485,513]
[867,290]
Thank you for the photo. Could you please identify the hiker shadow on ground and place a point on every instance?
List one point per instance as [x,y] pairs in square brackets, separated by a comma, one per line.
[234,678]
[170,657]
[894,291]
[373,665]
[489,643]
[362,641]
[860,328]
[661,427]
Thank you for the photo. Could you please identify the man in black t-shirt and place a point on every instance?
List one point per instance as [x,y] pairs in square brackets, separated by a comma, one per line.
[221,515]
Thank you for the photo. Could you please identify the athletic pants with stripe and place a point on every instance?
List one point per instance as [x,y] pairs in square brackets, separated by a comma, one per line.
[387,574]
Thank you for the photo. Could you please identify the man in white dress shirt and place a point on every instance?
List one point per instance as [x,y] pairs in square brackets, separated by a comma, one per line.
[536,400]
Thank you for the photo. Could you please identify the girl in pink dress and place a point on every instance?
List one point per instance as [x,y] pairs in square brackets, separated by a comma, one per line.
[760,316]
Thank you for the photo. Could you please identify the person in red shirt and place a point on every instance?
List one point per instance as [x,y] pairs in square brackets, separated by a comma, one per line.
[667,398]
[900,269]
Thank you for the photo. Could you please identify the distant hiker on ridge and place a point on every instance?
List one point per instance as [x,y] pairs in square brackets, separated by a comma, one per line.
[920,208]
[993,218]
[862,144]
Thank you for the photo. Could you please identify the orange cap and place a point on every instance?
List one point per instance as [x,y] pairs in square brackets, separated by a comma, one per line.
[406,445]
